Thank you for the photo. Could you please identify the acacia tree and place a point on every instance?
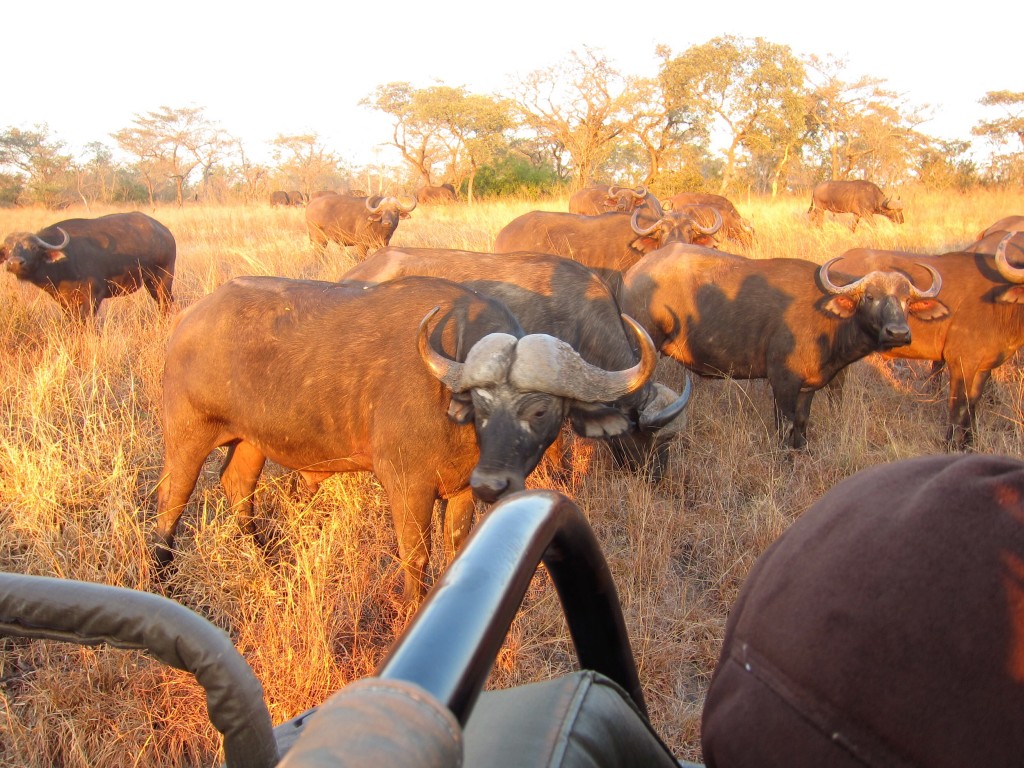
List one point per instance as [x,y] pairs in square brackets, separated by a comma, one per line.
[748,89]
[579,105]
[40,160]
[415,135]
[860,128]
[1005,133]
[660,130]
[171,144]
[306,162]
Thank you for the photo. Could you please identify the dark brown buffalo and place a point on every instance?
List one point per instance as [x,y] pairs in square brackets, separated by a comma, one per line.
[562,298]
[974,325]
[81,262]
[1005,224]
[296,198]
[437,403]
[279,197]
[861,198]
[778,319]
[366,223]
[602,198]
[734,226]
[444,193]
[609,244]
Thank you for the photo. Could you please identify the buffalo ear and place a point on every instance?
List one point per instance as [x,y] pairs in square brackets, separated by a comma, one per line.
[645,244]
[52,256]
[1012,295]
[841,306]
[597,420]
[460,408]
[928,309]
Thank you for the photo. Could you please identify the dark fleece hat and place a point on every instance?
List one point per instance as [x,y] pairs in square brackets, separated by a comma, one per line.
[885,627]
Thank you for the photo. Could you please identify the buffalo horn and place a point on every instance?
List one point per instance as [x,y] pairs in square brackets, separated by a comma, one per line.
[1007,271]
[936,286]
[486,364]
[714,227]
[669,412]
[50,247]
[636,227]
[377,207]
[832,287]
[546,364]
[407,207]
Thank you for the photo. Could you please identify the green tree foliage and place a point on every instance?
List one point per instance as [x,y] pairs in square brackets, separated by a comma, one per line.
[580,106]
[514,174]
[750,91]
[444,131]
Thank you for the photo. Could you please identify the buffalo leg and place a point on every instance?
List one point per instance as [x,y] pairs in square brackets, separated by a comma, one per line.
[177,481]
[412,505]
[239,475]
[458,519]
[159,286]
[964,394]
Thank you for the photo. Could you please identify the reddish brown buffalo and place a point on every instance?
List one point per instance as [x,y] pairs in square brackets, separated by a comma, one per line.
[430,386]
[778,319]
[860,198]
[444,193]
[81,262]
[602,198]
[734,226]
[974,325]
[609,244]
[562,298]
[280,197]
[366,223]
[1005,224]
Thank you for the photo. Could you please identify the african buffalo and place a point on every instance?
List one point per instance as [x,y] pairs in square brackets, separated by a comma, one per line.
[609,244]
[296,198]
[81,262]
[1005,224]
[602,198]
[322,193]
[279,198]
[734,226]
[780,319]
[329,378]
[861,198]
[367,223]
[972,327]
[445,193]
[562,298]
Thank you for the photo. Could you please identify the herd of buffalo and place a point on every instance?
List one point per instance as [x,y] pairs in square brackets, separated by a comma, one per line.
[486,355]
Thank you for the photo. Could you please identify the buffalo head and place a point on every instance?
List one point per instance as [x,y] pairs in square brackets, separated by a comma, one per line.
[25,252]
[879,300]
[388,210]
[518,391]
[680,226]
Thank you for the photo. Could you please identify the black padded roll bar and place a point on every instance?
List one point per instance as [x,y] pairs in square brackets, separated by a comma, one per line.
[90,614]
[452,643]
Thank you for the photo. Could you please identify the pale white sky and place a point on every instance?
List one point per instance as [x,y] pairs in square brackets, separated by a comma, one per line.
[292,66]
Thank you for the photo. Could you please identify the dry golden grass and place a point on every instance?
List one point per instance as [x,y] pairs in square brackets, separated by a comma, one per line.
[80,452]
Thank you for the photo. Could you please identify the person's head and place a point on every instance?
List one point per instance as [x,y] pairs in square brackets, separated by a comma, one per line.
[884,627]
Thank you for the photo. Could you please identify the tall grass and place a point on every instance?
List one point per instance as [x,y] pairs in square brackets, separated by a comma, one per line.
[81,450]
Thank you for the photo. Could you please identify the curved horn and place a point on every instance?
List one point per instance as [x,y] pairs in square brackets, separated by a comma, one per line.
[714,227]
[613,191]
[831,287]
[448,372]
[408,207]
[1007,271]
[636,228]
[63,243]
[668,414]
[375,208]
[932,292]
[546,364]
[640,191]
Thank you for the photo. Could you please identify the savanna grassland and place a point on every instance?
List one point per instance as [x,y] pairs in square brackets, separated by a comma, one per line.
[81,452]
